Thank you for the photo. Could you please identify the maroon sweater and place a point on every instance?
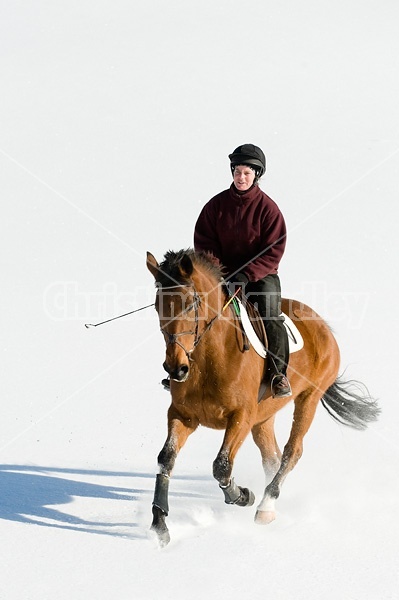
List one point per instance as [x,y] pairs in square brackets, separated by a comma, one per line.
[246,232]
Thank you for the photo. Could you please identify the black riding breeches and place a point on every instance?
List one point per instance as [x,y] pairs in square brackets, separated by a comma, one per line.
[265,294]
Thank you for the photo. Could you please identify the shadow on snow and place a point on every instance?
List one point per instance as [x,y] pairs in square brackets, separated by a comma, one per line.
[30,493]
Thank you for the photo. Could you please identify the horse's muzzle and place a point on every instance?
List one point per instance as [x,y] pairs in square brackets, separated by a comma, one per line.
[179,373]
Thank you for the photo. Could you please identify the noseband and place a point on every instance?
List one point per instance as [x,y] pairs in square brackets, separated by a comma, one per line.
[172,338]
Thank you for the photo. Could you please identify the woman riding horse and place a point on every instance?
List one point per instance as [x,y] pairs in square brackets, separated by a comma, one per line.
[244,230]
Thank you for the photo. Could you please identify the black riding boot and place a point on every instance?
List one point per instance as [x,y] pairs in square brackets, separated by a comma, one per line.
[278,355]
[266,295]
[166,384]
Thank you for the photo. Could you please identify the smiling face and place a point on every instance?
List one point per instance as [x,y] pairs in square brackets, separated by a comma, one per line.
[243,177]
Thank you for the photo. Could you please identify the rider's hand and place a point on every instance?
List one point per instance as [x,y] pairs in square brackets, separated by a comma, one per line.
[239,280]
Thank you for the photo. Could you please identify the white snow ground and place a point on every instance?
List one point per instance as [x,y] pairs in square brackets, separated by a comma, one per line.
[116,121]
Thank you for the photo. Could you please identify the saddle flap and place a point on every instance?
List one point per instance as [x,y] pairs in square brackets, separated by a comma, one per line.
[255,320]
[256,334]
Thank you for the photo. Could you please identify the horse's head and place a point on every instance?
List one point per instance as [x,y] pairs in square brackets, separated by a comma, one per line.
[177,304]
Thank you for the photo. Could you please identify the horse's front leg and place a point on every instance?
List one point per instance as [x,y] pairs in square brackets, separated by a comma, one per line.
[236,432]
[178,432]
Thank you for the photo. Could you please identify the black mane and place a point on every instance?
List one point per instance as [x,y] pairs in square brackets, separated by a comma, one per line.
[169,272]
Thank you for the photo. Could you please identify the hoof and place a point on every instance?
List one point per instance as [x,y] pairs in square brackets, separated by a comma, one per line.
[162,535]
[235,494]
[264,517]
[247,498]
[159,526]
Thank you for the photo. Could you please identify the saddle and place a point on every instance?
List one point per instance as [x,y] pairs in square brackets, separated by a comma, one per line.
[250,317]
[254,333]
[254,330]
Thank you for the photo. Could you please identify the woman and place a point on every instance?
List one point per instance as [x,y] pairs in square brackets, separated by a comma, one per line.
[245,231]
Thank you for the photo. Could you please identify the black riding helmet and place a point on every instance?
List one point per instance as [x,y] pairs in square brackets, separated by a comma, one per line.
[249,155]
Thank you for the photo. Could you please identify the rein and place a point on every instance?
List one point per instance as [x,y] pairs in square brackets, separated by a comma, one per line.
[172,338]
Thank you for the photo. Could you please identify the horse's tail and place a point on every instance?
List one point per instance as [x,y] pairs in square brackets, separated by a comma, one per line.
[350,403]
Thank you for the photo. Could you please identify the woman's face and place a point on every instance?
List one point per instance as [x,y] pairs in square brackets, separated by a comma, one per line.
[243,177]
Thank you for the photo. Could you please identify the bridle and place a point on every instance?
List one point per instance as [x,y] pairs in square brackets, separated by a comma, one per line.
[173,338]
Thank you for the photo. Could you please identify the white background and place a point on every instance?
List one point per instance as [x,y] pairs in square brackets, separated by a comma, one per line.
[116,122]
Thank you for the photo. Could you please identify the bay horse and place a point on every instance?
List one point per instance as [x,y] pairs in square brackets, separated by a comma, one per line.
[215,381]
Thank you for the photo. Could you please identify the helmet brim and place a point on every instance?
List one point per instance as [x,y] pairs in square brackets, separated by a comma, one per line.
[242,159]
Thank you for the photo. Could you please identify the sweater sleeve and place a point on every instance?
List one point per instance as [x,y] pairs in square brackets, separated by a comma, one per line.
[206,238]
[273,245]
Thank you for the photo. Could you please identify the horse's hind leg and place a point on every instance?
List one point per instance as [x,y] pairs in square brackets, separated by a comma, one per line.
[264,437]
[305,407]
[178,432]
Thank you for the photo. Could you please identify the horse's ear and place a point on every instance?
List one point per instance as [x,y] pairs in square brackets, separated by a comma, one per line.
[152,265]
[186,266]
